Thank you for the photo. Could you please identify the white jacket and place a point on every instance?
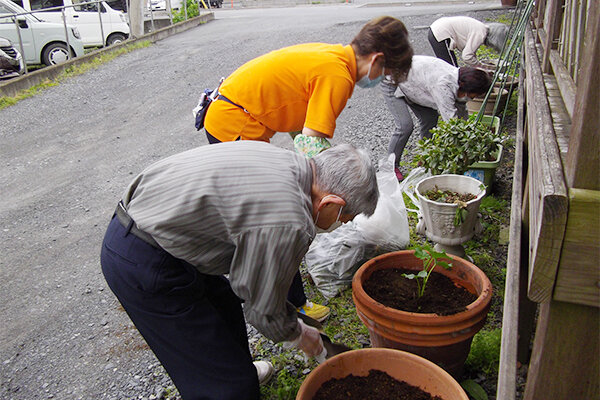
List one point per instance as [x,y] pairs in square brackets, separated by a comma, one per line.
[465,33]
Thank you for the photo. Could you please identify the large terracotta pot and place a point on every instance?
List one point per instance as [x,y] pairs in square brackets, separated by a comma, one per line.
[445,340]
[400,365]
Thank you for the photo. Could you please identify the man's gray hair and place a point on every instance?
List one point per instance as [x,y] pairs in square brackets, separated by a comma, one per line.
[496,35]
[349,173]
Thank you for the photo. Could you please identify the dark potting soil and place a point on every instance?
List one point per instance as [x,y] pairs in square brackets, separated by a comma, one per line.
[376,386]
[441,297]
[448,196]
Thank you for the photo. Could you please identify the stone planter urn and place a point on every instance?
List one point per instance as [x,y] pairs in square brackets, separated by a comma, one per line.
[436,220]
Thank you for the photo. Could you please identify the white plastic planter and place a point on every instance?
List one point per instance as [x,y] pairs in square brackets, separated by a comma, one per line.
[437,219]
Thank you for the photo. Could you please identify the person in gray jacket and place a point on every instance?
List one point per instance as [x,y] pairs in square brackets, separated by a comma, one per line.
[464,34]
[200,232]
[432,89]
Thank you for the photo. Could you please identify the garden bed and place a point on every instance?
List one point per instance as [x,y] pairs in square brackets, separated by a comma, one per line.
[489,252]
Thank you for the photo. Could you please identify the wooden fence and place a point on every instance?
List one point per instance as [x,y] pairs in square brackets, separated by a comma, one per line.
[554,251]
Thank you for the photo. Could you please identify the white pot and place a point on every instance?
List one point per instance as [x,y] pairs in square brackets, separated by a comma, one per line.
[437,219]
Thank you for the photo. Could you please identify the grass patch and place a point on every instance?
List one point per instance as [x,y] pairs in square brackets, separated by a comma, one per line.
[73,70]
[485,351]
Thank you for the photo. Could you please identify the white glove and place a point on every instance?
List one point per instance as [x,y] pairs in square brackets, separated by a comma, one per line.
[309,341]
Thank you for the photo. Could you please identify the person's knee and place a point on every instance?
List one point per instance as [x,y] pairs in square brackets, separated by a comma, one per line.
[403,132]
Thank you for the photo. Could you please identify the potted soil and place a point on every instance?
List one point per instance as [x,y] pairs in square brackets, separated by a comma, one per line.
[442,337]
[389,370]
[463,147]
[449,210]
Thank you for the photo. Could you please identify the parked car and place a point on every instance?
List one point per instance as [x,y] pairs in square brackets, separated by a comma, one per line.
[43,42]
[85,17]
[159,5]
[11,62]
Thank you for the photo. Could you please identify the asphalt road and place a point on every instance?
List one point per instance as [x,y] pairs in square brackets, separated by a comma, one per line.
[67,154]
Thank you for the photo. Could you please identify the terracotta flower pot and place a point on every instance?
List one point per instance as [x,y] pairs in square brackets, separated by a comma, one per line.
[400,365]
[445,340]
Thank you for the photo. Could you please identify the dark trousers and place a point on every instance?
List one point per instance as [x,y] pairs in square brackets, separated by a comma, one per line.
[442,49]
[193,322]
[398,107]
[296,294]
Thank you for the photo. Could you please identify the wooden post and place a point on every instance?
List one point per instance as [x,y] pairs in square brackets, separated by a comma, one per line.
[564,362]
[583,166]
[552,28]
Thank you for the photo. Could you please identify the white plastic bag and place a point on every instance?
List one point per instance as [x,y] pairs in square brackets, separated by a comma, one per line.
[409,184]
[388,226]
[334,257]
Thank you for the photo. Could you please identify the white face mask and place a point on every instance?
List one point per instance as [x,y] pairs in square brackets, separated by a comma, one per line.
[333,226]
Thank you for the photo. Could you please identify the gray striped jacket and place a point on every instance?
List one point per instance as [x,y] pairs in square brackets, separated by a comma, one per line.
[239,208]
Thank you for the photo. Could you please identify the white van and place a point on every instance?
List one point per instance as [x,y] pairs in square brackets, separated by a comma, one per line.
[43,42]
[86,18]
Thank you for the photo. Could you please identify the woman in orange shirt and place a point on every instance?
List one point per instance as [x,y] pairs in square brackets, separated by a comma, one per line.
[305,88]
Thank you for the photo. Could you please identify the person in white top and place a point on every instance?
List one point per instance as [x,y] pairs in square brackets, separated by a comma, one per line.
[464,34]
[433,88]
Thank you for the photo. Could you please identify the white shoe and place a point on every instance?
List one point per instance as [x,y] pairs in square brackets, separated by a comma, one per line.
[264,370]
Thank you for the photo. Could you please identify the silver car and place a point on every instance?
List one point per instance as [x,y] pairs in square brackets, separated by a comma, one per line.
[11,62]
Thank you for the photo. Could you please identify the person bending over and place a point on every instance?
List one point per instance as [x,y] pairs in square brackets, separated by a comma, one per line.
[305,88]
[245,209]
[433,88]
[464,34]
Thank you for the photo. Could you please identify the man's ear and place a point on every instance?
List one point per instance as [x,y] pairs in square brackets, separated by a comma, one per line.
[331,199]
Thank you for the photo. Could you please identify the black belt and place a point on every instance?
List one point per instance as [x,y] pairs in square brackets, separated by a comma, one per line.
[221,97]
[127,222]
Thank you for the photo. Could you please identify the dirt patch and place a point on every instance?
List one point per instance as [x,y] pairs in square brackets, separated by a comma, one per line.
[375,386]
[448,196]
[392,289]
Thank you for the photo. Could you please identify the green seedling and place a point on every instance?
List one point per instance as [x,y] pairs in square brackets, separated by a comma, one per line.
[461,213]
[430,259]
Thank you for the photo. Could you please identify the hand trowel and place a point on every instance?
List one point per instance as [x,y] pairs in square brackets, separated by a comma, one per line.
[332,348]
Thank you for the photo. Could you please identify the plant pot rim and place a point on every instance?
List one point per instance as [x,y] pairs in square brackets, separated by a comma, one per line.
[422,197]
[483,299]
[489,164]
[445,380]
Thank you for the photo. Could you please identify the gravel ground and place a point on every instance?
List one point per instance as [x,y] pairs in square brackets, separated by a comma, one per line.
[68,153]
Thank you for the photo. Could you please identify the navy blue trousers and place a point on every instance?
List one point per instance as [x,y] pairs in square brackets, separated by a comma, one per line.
[193,322]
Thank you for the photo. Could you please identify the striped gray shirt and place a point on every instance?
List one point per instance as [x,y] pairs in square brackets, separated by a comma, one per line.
[239,208]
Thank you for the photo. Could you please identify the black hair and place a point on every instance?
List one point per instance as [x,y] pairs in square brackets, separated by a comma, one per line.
[473,80]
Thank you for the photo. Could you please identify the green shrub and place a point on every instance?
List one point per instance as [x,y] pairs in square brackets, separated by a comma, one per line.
[456,144]
[192,11]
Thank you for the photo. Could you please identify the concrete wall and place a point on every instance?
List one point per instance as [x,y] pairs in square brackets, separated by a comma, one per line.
[13,86]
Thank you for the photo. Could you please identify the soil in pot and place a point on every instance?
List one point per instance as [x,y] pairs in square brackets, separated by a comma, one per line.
[375,386]
[442,296]
[448,196]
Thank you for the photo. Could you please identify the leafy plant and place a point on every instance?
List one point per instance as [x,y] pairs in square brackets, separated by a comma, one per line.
[191,8]
[456,144]
[474,389]
[430,259]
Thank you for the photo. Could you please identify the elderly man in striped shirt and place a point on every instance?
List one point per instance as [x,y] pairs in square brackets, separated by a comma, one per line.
[245,209]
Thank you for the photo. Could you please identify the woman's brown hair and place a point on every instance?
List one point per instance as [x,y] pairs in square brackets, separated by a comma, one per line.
[389,36]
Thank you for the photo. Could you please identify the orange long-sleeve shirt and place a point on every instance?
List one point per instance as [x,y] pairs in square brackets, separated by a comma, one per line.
[284,91]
